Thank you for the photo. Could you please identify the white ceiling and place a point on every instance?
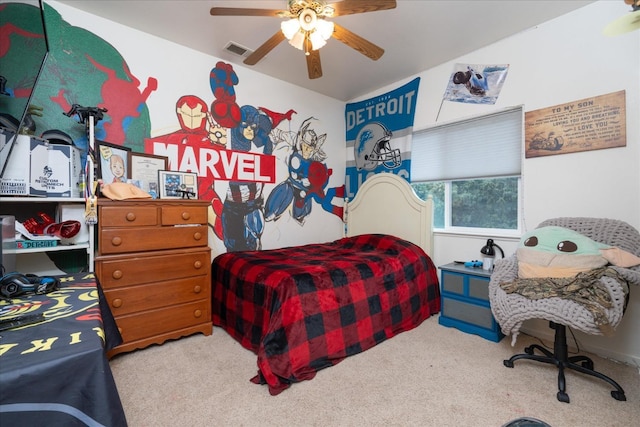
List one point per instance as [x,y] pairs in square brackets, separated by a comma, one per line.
[416,36]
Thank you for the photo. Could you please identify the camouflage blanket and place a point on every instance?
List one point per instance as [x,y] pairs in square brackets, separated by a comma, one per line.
[585,288]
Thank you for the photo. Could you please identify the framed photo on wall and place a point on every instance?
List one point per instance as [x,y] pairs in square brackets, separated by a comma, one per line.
[113,162]
[144,171]
[178,185]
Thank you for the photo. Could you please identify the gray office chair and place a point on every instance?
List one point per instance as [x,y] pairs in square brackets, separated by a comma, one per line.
[512,309]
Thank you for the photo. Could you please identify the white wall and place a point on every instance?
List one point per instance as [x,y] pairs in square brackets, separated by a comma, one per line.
[560,61]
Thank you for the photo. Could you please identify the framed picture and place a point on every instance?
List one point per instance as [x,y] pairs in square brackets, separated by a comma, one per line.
[113,162]
[144,171]
[178,185]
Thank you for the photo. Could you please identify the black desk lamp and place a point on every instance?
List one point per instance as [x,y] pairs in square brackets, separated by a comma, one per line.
[489,253]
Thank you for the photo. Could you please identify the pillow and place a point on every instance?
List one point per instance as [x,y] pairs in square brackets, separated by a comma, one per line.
[123,191]
[557,252]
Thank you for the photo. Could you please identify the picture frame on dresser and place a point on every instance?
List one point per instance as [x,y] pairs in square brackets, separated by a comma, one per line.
[113,162]
[178,185]
[144,171]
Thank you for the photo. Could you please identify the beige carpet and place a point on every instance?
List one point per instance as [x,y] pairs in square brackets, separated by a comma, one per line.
[430,376]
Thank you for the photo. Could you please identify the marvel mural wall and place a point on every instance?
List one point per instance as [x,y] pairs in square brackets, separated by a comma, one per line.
[255,164]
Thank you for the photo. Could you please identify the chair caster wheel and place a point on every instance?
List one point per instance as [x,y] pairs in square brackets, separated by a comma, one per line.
[509,364]
[564,397]
[618,395]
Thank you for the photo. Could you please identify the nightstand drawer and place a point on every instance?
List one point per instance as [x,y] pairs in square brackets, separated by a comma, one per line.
[469,313]
[454,283]
[479,288]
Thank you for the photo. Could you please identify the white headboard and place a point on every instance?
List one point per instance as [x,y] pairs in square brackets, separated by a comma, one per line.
[386,203]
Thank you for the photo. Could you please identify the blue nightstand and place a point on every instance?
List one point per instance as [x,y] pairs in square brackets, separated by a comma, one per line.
[465,301]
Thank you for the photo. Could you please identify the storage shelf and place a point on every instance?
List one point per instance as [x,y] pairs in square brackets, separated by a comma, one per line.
[27,206]
[84,246]
[41,199]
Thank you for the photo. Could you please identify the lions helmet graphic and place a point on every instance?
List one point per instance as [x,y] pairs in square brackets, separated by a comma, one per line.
[372,148]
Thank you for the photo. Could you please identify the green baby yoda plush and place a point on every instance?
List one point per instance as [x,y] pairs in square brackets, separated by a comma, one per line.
[558,252]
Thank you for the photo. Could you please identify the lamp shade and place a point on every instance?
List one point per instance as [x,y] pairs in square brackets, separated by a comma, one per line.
[316,40]
[489,253]
[297,40]
[325,28]
[290,28]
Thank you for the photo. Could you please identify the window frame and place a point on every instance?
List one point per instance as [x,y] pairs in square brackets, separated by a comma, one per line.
[447,202]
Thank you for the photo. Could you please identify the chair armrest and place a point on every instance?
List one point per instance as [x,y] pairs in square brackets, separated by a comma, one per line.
[505,270]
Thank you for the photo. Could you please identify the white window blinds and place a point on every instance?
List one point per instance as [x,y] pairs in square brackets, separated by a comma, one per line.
[479,147]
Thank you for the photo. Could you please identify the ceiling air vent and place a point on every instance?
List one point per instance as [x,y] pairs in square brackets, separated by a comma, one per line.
[237,49]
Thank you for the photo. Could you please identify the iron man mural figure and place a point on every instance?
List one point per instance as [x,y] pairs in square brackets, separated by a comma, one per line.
[193,116]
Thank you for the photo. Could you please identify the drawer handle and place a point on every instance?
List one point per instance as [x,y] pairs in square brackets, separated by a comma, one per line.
[117,274]
[197,289]
[197,236]
[197,313]
[186,216]
[117,303]
[131,216]
[116,241]
[197,264]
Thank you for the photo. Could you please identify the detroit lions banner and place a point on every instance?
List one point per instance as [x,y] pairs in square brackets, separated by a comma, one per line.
[379,133]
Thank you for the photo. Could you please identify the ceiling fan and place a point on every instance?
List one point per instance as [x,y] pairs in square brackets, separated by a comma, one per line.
[307,28]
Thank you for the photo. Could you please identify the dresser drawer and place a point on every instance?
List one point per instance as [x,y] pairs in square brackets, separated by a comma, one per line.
[117,271]
[160,321]
[177,215]
[128,216]
[156,295]
[122,240]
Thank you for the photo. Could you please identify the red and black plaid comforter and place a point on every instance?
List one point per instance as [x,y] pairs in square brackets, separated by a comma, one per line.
[301,309]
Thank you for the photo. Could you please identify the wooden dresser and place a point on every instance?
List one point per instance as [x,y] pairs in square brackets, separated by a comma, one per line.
[153,263]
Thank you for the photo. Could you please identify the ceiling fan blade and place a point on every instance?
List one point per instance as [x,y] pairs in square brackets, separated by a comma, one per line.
[238,11]
[314,67]
[265,48]
[356,42]
[350,7]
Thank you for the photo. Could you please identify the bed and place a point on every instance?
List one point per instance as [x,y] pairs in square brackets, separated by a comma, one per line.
[302,309]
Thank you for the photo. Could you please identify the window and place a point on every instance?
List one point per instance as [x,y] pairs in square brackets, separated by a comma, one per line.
[471,168]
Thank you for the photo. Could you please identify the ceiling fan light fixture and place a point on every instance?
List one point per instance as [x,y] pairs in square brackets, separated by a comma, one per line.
[317,41]
[308,19]
[325,28]
[290,28]
[307,32]
[297,40]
